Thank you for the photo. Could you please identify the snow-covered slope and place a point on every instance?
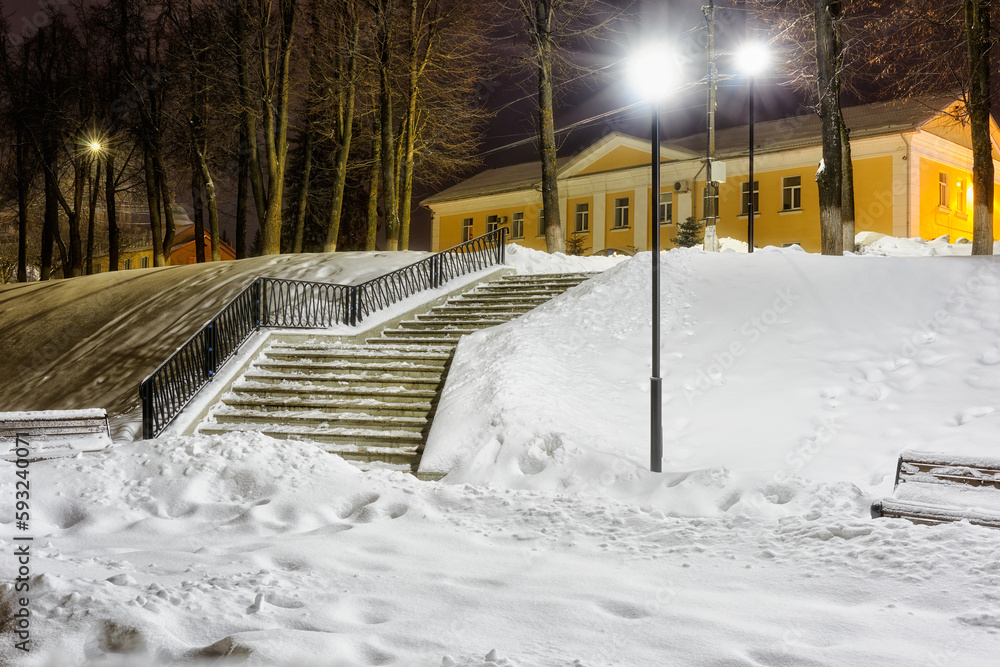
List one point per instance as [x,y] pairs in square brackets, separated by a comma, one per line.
[550,543]
[88,342]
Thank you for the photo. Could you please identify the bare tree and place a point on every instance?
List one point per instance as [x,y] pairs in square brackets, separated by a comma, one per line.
[550,26]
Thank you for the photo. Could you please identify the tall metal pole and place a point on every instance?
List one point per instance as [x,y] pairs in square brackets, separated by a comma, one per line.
[655,383]
[750,186]
[711,238]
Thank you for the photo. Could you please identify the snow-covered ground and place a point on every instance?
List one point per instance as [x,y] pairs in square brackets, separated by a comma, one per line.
[791,383]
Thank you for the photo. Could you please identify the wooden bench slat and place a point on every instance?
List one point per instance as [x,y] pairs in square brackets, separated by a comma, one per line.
[930,514]
[50,428]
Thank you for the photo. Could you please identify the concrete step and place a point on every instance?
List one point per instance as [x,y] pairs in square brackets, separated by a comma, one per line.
[499,300]
[321,421]
[451,324]
[341,380]
[416,341]
[401,369]
[346,439]
[433,331]
[381,394]
[342,406]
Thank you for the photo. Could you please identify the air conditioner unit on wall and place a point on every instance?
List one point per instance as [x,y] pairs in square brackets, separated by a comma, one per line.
[680,186]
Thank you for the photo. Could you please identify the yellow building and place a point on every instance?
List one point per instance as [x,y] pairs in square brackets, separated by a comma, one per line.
[912,168]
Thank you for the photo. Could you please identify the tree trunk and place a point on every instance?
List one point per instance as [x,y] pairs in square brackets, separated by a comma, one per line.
[198,213]
[977,23]
[168,205]
[345,129]
[847,189]
[248,148]
[22,207]
[371,229]
[303,199]
[276,130]
[390,203]
[73,217]
[241,197]
[212,204]
[91,215]
[114,242]
[153,205]
[555,240]
[829,176]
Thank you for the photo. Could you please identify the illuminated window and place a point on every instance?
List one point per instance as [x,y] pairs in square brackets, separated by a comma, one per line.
[960,192]
[943,190]
[466,229]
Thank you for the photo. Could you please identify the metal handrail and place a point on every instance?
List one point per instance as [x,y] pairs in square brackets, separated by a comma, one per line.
[296,304]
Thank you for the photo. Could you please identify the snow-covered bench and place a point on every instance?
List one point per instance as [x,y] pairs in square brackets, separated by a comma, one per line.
[937,488]
[47,433]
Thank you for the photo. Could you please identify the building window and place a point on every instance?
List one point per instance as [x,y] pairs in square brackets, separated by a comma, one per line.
[492,222]
[745,201]
[127,263]
[666,208]
[582,218]
[791,193]
[943,190]
[517,225]
[710,202]
[621,213]
[960,192]
[466,229]
[144,262]
[541,222]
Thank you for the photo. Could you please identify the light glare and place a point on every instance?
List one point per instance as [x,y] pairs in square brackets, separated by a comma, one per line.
[754,58]
[652,72]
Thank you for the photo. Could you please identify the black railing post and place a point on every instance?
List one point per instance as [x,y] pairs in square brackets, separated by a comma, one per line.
[265,319]
[501,256]
[146,395]
[211,347]
[255,297]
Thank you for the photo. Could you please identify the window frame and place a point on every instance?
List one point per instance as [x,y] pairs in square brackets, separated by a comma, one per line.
[492,223]
[541,222]
[581,215]
[466,229]
[621,213]
[791,193]
[517,225]
[943,190]
[666,208]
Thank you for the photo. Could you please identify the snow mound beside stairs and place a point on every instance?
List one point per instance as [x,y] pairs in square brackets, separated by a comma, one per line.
[372,403]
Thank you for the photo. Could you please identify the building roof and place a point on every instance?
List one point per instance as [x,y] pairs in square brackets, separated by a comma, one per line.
[495,181]
[868,120]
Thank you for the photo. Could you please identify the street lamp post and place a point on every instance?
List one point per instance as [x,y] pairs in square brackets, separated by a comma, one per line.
[753,59]
[650,72]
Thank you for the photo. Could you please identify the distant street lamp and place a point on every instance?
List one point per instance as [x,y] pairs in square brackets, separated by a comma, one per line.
[651,74]
[753,59]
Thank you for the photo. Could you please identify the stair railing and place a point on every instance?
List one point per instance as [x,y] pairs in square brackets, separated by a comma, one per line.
[296,304]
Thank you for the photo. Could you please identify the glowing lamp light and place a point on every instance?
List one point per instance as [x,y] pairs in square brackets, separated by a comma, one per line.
[753,59]
[652,71]
[95,147]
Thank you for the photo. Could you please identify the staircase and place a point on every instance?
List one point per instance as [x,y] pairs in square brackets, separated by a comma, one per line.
[372,403]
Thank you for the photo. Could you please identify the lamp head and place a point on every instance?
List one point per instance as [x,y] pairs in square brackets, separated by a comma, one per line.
[754,58]
[652,72]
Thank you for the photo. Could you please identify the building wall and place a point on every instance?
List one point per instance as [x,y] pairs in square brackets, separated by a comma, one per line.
[895,186]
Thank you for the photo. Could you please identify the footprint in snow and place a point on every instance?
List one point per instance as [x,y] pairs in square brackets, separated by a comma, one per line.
[966,416]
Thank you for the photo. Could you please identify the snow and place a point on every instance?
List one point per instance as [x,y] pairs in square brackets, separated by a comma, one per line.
[791,383]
